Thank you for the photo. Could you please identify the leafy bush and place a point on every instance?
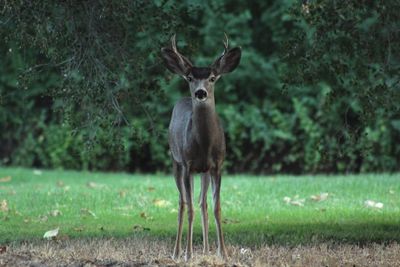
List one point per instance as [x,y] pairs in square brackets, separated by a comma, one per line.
[316,91]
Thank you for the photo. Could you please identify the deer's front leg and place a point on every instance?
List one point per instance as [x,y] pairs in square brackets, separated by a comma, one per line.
[188,182]
[179,183]
[205,182]
[216,186]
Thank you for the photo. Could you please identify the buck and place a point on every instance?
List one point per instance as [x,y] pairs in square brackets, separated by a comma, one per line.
[197,142]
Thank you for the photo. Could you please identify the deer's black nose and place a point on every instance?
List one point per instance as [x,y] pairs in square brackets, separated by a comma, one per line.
[200,94]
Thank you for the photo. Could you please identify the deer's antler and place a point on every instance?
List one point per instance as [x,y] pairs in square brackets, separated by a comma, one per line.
[183,60]
[226,44]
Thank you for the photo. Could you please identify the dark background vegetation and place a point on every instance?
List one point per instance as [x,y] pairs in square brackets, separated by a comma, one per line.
[82,85]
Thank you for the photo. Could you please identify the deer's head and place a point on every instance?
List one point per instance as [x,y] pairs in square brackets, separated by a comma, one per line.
[201,79]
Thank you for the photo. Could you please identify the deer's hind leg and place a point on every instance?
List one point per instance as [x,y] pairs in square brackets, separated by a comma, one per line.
[216,187]
[188,183]
[178,174]
[205,182]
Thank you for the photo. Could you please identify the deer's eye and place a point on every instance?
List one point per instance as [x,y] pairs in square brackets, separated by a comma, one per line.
[212,79]
[189,79]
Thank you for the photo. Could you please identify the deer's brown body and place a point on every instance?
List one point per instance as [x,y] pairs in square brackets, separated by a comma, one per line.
[197,142]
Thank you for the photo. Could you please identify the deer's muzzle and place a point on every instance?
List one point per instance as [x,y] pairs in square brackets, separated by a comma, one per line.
[200,94]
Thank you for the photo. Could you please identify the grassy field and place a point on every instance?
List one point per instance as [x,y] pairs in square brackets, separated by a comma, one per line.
[277,210]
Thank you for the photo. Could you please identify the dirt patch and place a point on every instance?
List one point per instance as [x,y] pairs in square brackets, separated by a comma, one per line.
[145,252]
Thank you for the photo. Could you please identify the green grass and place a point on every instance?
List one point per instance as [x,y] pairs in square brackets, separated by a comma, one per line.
[99,204]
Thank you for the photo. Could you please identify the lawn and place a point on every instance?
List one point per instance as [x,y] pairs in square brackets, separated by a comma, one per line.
[281,210]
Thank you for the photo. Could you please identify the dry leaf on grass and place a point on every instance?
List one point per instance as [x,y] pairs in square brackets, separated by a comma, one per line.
[145,216]
[4,205]
[55,213]
[86,212]
[37,172]
[295,201]
[161,203]
[43,218]
[94,185]
[320,197]
[150,189]
[5,179]
[373,204]
[66,188]
[287,200]
[139,228]
[229,221]
[51,234]
[122,193]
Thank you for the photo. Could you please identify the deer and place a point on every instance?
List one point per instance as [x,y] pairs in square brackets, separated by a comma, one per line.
[197,141]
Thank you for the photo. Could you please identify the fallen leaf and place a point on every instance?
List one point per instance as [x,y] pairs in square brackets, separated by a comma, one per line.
[4,205]
[43,218]
[66,188]
[287,200]
[94,185]
[161,203]
[295,201]
[145,216]
[5,179]
[51,234]
[139,228]
[37,172]
[299,202]
[91,184]
[122,193]
[320,197]
[373,204]
[229,221]
[55,213]
[85,211]
[150,189]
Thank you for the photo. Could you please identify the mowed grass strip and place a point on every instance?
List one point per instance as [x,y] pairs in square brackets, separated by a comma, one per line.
[284,210]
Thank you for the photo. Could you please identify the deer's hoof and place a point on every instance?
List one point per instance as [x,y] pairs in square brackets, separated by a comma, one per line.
[222,254]
[188,256]
[176,255]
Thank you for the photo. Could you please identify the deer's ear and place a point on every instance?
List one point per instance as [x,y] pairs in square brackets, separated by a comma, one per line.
[175,62]
[228,61]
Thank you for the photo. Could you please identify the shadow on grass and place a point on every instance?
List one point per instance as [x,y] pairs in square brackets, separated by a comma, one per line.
[300,234]
[254,235]
[303,234]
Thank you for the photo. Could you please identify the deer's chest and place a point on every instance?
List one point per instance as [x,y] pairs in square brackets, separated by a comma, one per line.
[203,158]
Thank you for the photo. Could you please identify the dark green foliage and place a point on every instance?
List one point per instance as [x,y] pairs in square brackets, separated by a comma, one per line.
[342,72]
[82,85]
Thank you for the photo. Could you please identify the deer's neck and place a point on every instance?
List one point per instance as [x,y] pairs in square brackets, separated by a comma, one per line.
[204,125]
